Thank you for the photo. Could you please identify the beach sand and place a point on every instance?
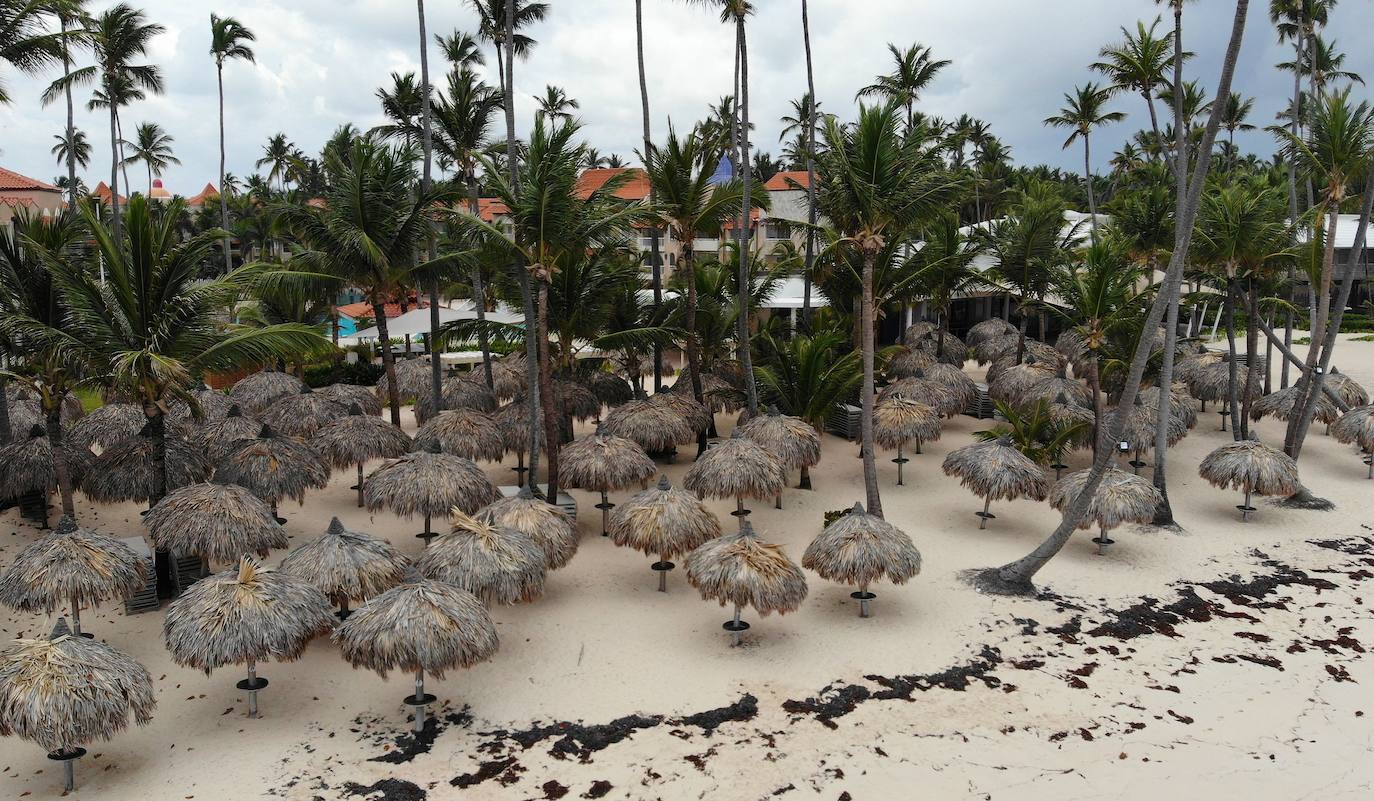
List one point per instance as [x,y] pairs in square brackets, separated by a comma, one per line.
[1224,661]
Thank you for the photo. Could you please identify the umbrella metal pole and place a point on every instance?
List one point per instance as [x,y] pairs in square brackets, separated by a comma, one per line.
[662,566]
[360,485]
[605,506]
[1370,461]
[251,685]
[901,462]
[864,597]
[736,627]
[985,515]
[1246,508]
[419,701]
[1102,540]
[276,516]
[740,512]
[519,468]
[68,759]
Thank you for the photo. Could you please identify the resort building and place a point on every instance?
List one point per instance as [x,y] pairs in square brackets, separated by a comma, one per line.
[22,196]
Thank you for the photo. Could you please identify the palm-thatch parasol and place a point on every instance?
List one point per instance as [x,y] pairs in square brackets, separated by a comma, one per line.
[1357,427]
[955,380]
[698,416]
[610,389]
[663,521]
[1252,467]
[1187,368]
[917,331]
[29,465]
[498,564]
[736,468]
[509,376]
[947,349]
[106,425]
[1141,426]
[459,392]
[1121,498]
[1064,413]
[1050,386]
[898,420]
[413,378]
[349,394]
[860,548]
[548,525]
[1347,388]
[71,565]
[945,400]
[1046,356]
[211,405]
[791,440]
[216,521]
[428,482]
[126,471]
[219,437]
[1283,403]
[719,391]
[244,615]
[463,432]
[742,570]
[63,691]
[990,348]
[347,565]
[907,360]
[1180,404]
[655,427]
[576,400]
[989,329]
[1213,383]
[418,627]
[260,390]
[303,413]
[1073,345]
[604,463]
[1018,380]
[26,409]
[515,426]
[274,466]
[354,439]
[995,470]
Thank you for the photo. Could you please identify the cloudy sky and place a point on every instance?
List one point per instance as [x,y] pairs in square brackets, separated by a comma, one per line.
[320,61]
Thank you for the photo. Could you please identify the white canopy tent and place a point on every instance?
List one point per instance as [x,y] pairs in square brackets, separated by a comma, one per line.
[416,321]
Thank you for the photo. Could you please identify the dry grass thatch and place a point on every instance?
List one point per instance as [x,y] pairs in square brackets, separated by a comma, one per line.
[955,380]
[860,548]
[217,522]
[498,564]
[917,331]
[576,400]
[1213,382]
[468,391]
[418,625]
[942,398]
[428,483]
[1050,386]
[219,437]
[1347,388]
[463,432]
[548,525]
[65,691]
[302,414]
[508,376]
[1019,380]
[988,329]
[1064,412]
[349,394]
[211,405]
[1142,423]
[412,379]
[347,564]
[720,391]
[126,471]
[106,425]
[1180,404]
[27,464]
[898,420]
[735,468]
[1356,427]
[741,569]
[1187,368]
[274,466]
[514,425]
[260,390]
[653,426]
[244,614]
[991,348]
[697,415]
[663,521]
[947,349]
[70,565]
[358,437]
[1121,498]
[995,471]
[1249,465]
[908,360]
[609,388]
[604,462]
[791,440]
[1283,403]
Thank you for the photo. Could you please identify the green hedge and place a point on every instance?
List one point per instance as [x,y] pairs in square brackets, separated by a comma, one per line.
[322,375]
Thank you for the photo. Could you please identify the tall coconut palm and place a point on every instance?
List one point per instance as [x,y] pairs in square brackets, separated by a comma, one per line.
[1234,118]
[810,142]
[436,373]
[27,44]
[655,258]
[276,157]
[914,69]
[151,147]
[402,104]
[946,270]
[229,40]
[1138,64]
[1083,111]
[75,149]
[498,24]
[557,104]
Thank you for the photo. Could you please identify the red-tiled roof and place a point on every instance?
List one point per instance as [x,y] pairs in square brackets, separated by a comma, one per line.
[12,180]
[488,208]
[791,179]
[16,202]
[102,193]
[636,187]
[208,193]
[364,309]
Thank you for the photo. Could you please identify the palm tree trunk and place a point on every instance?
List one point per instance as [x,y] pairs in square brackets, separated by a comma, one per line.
[436,367]
[1292,209]
[1233,370]
[746,260]
[59,458]
[1088,182]
[689,276]
[114,175]
[6,431]
[1095,384]
[1154,121]
[479,292]
[810,171]
[1318,332]
[1251,354]
[655,260]
[875,501]
[553,430]
[223,193]
[71,116]
[393,392]
[1164,512]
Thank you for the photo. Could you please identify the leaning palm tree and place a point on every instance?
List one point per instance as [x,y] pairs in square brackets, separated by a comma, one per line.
[229,40]
[1082,112]
[151,147]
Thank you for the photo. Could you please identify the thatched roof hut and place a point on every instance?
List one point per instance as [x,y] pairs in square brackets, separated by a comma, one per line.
[1019,380]
[604,462]
[736,468]
[423,625]
[356,438]
[990,348]
[274,466]
[1282,404]
[989,329]
[859,549]
[211,405]
[697,416]
[70,565]
[995,470]
[219,437]
[938,396]
[463,432]
[1121,498]
[498,564]
[219,522]
[1252,467]
[65,691]
[655,427]
[508,376]
[907,360]
[260,390]
[347,565]
[548,525]
[955,380]
[349,394]
[429,483]
[663,521]
[1046,356]
[106,425]
[27,464]
[302,414]
[791,440]
[742,570]
[1347,388]
[126,471]
[1356,427]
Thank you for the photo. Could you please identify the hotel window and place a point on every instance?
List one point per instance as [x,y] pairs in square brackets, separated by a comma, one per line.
[779,229]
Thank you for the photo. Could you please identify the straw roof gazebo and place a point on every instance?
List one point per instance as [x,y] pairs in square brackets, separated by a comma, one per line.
[260,390]
[1282,403]
[736,468]
[216,521]
[1356,427]
[496,563]
[65,691]
[303,413]
[347,565]
[655,427]
[349,394]
[791,440]
[860,548]
[1187,368]
[1121,498]
[74,566]
[898,420]
[219,437]
[354,439]
[463,432]
[989,348]
[548,525]
[106,425]
[243,616]
[27,465]
[428,482]
[740,569]
[604,463]
[663,521]
[995,470]
[1252,467]
[274,466]
[421,627]
[126,471]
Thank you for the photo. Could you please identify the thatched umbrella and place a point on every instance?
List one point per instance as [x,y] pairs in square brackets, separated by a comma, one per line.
[1357,427]
[219,437]
[352,440]
[260,390]
[655,427]
[609,388]
[106,425]
[463,432]
[736,468]
[938,396]
[347,565]
[860,548]
[418,627]
[1121,498]
[1141,427]
[1252,467]
[898,420]
[498,564]
[125,471]
[1019,380]
[742,570]
[412,380]
[1046,356]
[995,470]
[948,349]
[216,521]
[908,360]
[28,465]
[212,405]
[1052,385]
[1213,383]
[955,380]
[303,413]
[698,416]
[515,426]
[1187,368]
[508,376]
[1283,403]
[989,329]
[243,616]
[274,466]
[459,392]
[576,400]
[428,482]
[604,463]
[71,565]
[990,348]
[663,521]
[349,394]
[1347,388]
[792,441]
[63,691]
[546,524]
[1180,404]
[917,331]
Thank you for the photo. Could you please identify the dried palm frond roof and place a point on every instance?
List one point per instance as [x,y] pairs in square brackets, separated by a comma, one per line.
[358,437]
[743,570]
[996,470]
[274,466]
[917,331]
[946,348]
[1017,381]
[1251,466]
[260,390]
[127,470]
[1050,386]
[548,525]
[244,613]
[412,380]
[303,413]
[697,415]
[428,482]
[576,400]
[1063,412]
[463,432]
[1356,427]
[458,392]
[653,426]
[938,396]
[907,360]
[1283,404]
[1347,388]
[1180,403]
[1121,498]
[508,376]
[955,380]
[733,468]
[1213,382]
[1142,423]
[349,394]
[988,329]
[216,521]
[1187,367]
[993,347]
[65,691]
[898,420]
[604,462]
[663,521]
[70,564]
[791,440]
[609,388]
[498,564]
[418,625]
[106,425]
[348,564]
[860,548]
[218,437]
[514,424]
[27,464]
[211,405]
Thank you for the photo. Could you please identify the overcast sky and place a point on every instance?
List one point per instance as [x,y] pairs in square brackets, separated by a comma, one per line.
[320,61]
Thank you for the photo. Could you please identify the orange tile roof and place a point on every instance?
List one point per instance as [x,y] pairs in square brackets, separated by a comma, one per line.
[12,180]
[206,194]
[790,179]
[102,193]
[364,309]
[488,208]
[636,188]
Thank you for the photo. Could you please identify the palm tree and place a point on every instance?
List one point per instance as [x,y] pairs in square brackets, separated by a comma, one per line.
[655,258]
[460,50]
[878,186]
[402,104]
[812,107]
[426,181]
[71,17]
[26,43]
[945,270]
[1322,63]
[494,20]
[1082,112]
[152,147]
[556,104]
[276,157]
[76,149]
[1138,65]
[228,42]
[1027,243]
[914,69]
[1233,117]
